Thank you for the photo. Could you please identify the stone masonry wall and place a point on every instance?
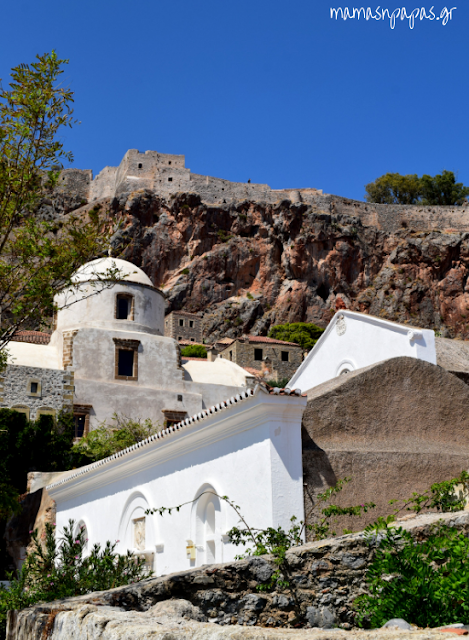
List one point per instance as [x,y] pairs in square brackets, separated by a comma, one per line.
[172,329]
[325,579]
[55,389]
[243,355]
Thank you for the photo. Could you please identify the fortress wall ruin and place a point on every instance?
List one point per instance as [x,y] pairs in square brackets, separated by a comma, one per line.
[166,174]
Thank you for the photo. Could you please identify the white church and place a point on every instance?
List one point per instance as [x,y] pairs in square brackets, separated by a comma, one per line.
[223,435]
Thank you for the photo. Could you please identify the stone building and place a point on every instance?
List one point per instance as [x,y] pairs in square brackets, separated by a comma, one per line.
[182,325]
[273,359]
[108,354]
[167,174]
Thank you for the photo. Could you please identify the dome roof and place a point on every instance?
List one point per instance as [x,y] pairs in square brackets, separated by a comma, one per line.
[128,272]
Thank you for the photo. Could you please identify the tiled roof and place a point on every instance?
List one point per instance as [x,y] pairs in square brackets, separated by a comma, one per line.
[34,337]
[189,343]
[198,417]
[224,341]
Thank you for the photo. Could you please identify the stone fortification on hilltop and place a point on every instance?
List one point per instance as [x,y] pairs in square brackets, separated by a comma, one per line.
[167,174]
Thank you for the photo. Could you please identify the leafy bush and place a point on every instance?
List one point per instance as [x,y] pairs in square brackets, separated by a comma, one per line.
[305,334]
[426,583]
[53,571]
[281,384]
[194,351]
[30,446]
[106,440]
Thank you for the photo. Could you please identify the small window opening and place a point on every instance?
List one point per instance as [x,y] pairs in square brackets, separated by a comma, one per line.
[139,165]
[181,322]
[123,308]
[34,387]
[344,371]
[179,337]
[231,355]
[179,398]
[169,162]
[80,420]
[258,354]
[191,323]
[192,339]
[170,179]
[125,365]
[284,356]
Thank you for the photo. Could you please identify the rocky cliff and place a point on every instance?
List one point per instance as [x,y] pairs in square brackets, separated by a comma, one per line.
[249,265]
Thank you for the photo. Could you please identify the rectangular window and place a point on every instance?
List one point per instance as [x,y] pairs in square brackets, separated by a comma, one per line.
[258,354]
[181,322]
[192,339]
[285,356]
[126,362]
[125,365]
[34,387]
[124,309]
[231,355]
[191,324]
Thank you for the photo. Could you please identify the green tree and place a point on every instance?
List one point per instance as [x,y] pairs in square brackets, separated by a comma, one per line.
[442,189]
[305,334]
[194,351]
[393,188]
[36,258]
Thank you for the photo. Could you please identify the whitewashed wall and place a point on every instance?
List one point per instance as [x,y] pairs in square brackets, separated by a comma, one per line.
[356,340]
[249,451]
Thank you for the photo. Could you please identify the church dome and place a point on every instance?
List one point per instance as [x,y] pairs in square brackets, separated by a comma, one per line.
[98,268]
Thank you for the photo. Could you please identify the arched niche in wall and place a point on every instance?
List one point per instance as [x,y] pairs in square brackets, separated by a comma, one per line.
[137,531]
[81,527]
[207,526]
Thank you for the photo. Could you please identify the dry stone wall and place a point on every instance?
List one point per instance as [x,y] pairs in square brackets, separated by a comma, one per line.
[325,577]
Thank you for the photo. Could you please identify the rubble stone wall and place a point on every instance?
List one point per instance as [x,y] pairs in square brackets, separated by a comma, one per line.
[325,577]
[55,389]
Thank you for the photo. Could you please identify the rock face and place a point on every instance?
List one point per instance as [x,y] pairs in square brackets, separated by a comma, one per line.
[394,428]
[248,266]
[325,579]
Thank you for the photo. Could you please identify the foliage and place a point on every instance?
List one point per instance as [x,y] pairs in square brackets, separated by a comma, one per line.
[36,260]
[29,446]
[393,188]
[52,571]
[194,351]
[281,384]
[442,190]
[305,334]
[322,528]
[426,582]
[106,440]
[276,542]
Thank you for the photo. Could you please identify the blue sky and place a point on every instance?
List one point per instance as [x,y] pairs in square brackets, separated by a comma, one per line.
[275,92]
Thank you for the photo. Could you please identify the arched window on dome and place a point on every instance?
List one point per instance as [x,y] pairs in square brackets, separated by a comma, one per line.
[124,306]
